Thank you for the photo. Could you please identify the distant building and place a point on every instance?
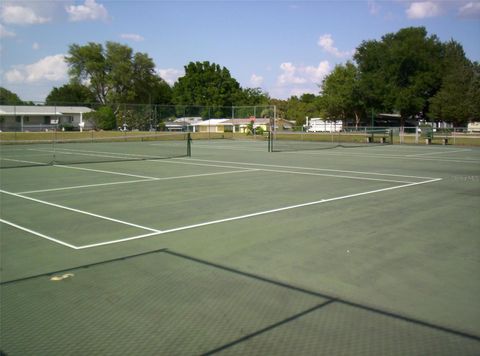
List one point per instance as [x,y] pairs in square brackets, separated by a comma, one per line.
[182,124]
[212,125]
[41,118]
[473,127]
[323,125]
[240,125]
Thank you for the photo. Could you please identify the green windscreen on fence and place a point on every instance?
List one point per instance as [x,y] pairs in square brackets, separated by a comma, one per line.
[281,141]
[88,147]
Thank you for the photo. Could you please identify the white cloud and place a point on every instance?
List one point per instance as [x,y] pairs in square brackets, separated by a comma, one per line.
[170,75]
[50,68]
[256,80]
[14,76]
[35,46]
[326,43]
[316,74]
[299,79]
[21,15]
[421,10]
[303,74]
[289,75]
[89,11]
[132,37]
[373,7]
[4,33]
[300,91]
[470,10]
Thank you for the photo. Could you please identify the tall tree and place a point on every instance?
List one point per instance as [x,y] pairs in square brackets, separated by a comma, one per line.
[401,72]
[340,96]
[114,73]
[253,96]
[473,93]
[73,93]
[452,102]
[207,84]
[298,109]
[9,98]
[149,88]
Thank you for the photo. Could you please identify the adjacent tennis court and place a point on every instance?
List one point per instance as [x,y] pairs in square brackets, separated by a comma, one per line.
[228,248]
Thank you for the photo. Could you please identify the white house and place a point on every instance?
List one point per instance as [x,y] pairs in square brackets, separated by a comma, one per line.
[322,125]
[41,118]
[212,125]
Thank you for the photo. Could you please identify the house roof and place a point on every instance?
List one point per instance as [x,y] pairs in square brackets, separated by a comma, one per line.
[213,122]
[189,120]
[42,110]
[258,121]
[183,121]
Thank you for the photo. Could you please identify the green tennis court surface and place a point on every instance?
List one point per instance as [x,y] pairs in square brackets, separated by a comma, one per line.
[236,250]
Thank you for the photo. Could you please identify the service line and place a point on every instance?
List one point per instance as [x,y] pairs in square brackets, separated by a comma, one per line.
[259,213]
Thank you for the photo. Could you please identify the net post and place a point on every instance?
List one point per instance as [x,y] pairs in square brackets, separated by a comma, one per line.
[54,158]
[189,145]
[269,141]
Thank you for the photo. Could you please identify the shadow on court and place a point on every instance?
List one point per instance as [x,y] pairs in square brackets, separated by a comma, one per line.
[165,302]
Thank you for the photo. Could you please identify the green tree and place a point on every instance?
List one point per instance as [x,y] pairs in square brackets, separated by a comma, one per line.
[73,93]
[451,103]
[103,118]
[340,95]
[253,96]
[9,98]
[207,84]
[400,72]
[115,73]
[298,109]
[473,93]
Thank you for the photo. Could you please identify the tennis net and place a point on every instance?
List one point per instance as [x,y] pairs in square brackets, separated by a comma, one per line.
[282,141]
[61,148]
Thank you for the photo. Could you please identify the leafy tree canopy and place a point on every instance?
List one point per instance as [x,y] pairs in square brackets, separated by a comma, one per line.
[340,93]
[455,101]
[207,84]
[115,74]
[73,93]
[400,72]
[9,98]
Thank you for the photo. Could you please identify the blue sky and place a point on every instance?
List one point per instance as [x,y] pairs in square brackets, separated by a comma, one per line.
[284,47]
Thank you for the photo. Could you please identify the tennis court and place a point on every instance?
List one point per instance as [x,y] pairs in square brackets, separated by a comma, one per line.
[237,250]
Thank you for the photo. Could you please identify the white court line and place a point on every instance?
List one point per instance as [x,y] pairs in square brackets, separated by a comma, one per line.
[238,148]
[22,161]
[67,151]
[140,180]
[85,186]
[438,152]
[380,156]
[122,155]
[78,211]
[254,214]
[103,171]
[335,176]
[174,161]
[312,174]
[38,234]
[185,161]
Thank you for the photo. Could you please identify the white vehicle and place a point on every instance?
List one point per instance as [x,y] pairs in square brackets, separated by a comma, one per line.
[473,127]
